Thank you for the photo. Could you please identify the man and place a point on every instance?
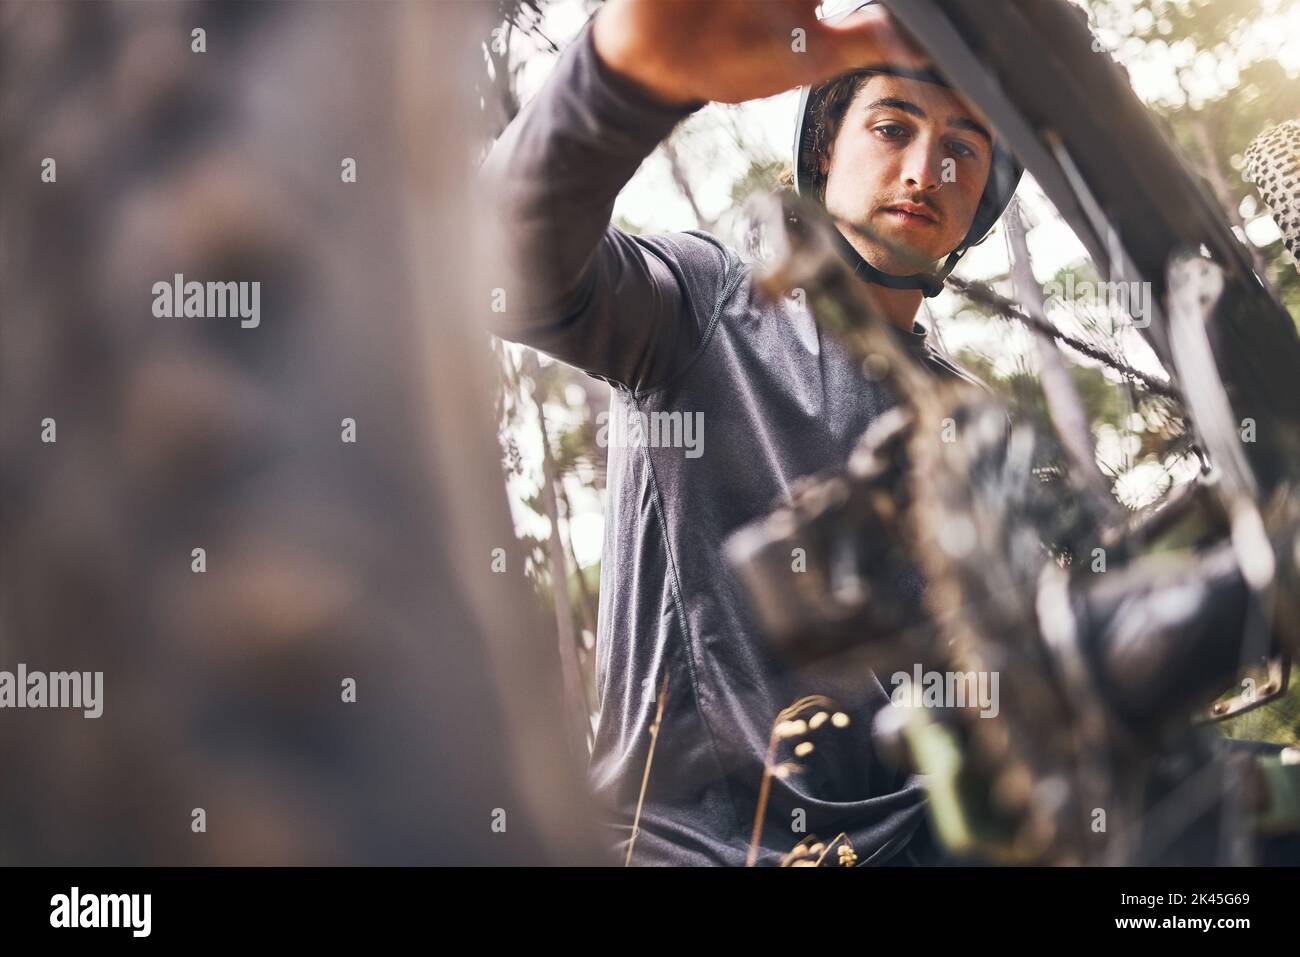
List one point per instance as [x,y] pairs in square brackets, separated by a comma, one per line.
[674,323]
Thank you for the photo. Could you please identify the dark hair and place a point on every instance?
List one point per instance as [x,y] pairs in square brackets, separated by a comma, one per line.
[832,101]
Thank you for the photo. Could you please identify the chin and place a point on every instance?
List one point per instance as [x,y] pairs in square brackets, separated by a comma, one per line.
[892,263]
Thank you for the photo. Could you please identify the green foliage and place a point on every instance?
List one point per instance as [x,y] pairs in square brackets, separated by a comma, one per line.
[763,176]
[1213,135]
[1277,722]
[629,227]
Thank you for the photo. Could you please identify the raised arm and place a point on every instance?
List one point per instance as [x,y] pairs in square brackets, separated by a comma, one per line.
[575,286]
[631,308]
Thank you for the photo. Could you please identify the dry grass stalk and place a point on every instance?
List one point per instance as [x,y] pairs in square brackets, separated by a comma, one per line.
[645,777]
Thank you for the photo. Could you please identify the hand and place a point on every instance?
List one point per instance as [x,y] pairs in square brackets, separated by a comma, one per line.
[686,51]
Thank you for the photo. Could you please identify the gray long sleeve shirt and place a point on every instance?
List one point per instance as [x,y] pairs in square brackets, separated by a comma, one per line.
[674,323]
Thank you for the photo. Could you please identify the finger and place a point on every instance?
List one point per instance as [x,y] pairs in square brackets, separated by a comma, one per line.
[779,20]
[869,37]
[802,11]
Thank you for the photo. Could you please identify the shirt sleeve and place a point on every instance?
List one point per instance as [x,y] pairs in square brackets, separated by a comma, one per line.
[628,309]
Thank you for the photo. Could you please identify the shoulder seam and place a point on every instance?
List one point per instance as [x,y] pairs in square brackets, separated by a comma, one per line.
[735,271]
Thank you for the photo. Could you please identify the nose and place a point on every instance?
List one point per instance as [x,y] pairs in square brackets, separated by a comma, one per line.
[923,165]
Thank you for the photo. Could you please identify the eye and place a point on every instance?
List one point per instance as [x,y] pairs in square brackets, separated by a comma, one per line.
[891,131]
[961,149]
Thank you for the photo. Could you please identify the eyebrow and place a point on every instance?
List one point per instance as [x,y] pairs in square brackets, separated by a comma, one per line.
[907,106]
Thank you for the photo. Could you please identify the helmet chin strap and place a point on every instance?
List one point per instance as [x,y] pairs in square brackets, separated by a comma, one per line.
[930,285]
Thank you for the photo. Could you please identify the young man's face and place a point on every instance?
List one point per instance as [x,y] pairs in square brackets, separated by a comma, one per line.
[909,162]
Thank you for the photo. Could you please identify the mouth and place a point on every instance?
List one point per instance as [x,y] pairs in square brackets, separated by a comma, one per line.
[909,215]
